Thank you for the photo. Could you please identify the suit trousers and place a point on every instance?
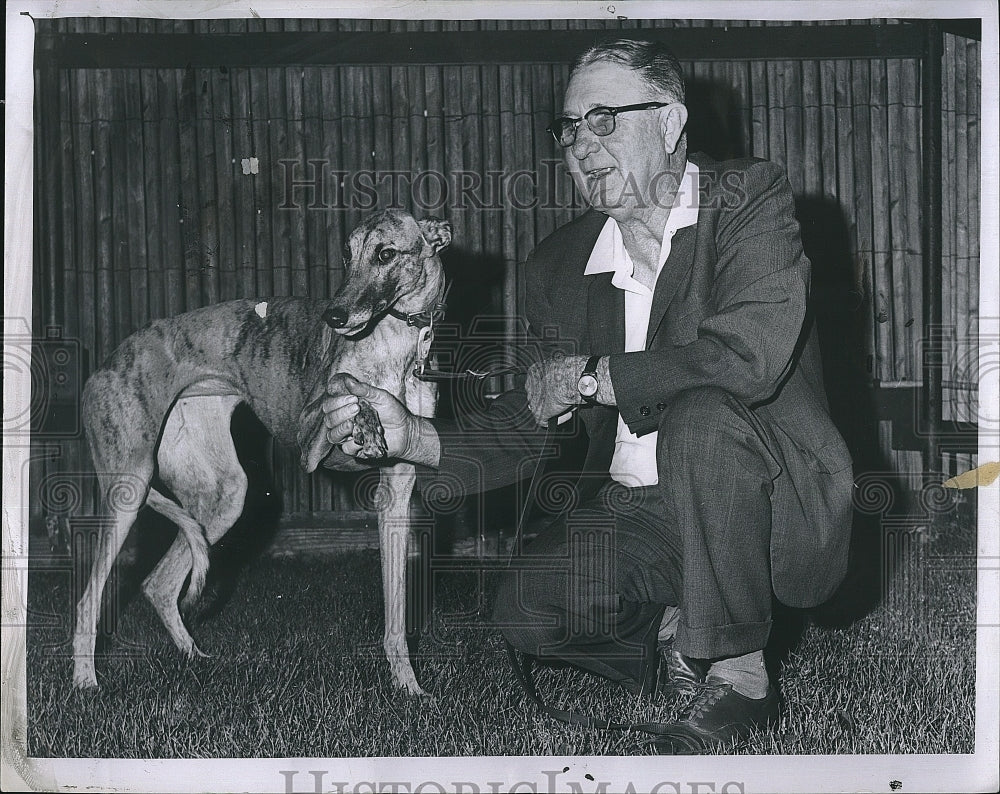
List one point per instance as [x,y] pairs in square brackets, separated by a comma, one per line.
[591,588]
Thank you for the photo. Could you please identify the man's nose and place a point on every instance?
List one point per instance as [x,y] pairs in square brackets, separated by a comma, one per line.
[586,142]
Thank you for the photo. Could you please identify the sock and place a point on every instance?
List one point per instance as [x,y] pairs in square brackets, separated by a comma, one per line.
[668,624]
[746,673]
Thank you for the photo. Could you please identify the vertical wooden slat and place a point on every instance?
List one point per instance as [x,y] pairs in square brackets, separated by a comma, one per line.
[828,128]
[314,253]
[188,223]
[402,107]
[792,100]
[65,205]
[911,194]
[813,166]
[887,315]
[279,146]
[83,217]
[225,130]
[262,240]
[209,162]
[758,97]
[133,213]
[949,226]
[895,133]
[294,111]
[972,58]
[435,133]
[333,132]
[244,200]
[508,249]
[104,305]
[776,148]
[48,270]
[524,139]
[168,178]
[542,101]
[492,160]
[862,207]
[960,189]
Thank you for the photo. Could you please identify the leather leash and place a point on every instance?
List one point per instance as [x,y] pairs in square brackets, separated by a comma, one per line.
[520,666]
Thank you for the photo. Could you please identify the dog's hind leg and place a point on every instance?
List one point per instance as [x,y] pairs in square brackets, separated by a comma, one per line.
[198,462]
[124,494]
[396,484]
[121,433]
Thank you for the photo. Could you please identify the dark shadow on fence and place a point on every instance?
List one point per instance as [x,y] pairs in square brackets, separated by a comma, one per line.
[715,124]
[842,311]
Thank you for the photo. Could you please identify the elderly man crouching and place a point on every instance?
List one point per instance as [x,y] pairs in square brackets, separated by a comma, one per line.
[722,480]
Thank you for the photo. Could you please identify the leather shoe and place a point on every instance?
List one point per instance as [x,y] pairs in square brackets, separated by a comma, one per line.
[717,715]
[682,673]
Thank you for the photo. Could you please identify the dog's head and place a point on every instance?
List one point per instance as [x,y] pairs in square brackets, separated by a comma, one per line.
[391,260]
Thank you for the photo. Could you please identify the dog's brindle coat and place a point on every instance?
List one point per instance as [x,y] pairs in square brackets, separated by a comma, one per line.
[163,402]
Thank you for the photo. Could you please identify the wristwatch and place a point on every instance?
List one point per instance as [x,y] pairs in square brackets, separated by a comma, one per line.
[587,385]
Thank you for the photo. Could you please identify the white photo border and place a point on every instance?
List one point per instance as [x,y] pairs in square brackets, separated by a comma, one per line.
[974,772]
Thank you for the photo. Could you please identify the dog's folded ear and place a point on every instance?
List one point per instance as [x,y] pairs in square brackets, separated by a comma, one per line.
[312,436]
[436,232]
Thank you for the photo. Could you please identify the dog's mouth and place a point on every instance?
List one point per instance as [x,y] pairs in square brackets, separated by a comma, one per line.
[349,324]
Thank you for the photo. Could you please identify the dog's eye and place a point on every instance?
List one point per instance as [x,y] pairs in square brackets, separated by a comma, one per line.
[386,255]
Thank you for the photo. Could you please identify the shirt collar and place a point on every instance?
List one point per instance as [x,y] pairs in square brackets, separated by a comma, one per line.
[609,255]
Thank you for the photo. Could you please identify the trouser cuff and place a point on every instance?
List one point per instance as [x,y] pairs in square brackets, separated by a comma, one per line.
[716,642]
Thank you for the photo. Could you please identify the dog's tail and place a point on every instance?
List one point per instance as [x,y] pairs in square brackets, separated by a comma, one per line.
[194,533]
[198,544]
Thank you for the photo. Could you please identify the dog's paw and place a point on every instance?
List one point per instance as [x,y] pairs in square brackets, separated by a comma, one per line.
[368,432]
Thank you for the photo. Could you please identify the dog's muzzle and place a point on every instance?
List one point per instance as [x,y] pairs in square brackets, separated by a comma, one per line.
[335,318]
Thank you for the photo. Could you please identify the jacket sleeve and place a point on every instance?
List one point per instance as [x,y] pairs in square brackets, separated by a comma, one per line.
[747,341]
[500,446]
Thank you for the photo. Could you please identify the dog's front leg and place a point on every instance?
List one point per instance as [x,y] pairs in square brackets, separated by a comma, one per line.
[396,486]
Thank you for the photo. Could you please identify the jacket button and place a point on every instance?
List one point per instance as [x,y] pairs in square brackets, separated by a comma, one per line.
[661,406]
[644,410]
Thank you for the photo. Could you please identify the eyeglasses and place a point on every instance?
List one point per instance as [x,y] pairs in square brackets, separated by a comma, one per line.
[601,121]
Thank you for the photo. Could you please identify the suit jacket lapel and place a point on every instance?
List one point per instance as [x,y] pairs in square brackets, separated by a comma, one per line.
[606,315]
[670,278]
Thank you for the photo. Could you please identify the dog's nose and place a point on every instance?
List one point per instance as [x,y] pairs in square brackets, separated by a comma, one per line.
[335,318]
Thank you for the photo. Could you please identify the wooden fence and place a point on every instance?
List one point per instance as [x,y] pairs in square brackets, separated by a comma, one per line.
[159,190]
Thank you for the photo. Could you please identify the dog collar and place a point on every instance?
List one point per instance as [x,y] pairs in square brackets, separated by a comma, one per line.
[422,319]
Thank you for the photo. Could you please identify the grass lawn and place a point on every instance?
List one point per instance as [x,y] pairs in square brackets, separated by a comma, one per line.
[298,670]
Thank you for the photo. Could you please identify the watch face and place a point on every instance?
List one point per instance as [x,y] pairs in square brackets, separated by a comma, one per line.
[587,385]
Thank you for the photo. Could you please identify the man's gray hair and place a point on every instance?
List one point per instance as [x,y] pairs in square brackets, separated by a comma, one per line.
[651,59]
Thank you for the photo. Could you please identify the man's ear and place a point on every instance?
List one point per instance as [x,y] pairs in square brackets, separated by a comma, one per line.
[436,232]
[673,121]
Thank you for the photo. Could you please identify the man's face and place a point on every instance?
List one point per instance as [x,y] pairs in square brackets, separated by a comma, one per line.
[616,173]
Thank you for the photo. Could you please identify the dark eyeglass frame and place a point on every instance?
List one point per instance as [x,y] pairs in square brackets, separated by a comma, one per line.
[610,112]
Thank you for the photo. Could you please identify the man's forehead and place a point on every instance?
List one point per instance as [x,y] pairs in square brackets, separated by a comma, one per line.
[603,83]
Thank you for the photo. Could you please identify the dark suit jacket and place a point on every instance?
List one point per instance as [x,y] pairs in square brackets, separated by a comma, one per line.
[728,311]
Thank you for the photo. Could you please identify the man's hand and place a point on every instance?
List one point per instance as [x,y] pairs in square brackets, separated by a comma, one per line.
[406,436]
[552,386]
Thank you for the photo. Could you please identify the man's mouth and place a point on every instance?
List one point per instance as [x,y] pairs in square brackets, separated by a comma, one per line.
[596,174]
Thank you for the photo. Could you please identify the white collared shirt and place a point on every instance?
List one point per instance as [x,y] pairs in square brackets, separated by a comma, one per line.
[634,460]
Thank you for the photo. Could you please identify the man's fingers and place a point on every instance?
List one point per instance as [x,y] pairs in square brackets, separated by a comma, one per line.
[339,409]
[339,432]
[350,448]
[360,388]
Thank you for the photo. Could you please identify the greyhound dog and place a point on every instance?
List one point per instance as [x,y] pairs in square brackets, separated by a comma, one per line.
[162,406]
